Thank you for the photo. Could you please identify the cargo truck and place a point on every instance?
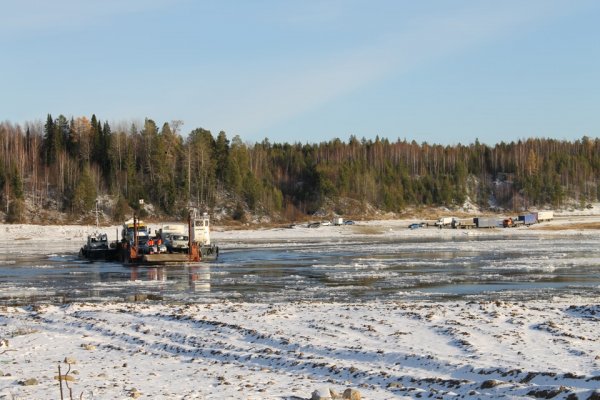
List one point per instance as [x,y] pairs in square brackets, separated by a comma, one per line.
[465,223]
[486,222]
[528,219]
[512,223]
[545,216]
[444,221]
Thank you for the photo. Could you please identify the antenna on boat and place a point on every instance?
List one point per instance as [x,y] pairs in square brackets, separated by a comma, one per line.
[96,212]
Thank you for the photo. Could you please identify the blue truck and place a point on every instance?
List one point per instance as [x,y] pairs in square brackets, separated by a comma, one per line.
[528,219]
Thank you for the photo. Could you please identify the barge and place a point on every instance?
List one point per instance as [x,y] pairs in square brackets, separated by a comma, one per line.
[139,247]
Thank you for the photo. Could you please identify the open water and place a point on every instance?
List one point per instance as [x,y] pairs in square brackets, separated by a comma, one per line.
[514,268]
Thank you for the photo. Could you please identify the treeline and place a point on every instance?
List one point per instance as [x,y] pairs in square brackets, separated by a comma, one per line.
[65,164]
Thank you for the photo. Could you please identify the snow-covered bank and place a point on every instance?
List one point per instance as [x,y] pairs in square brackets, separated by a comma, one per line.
[241,350]
[69,238]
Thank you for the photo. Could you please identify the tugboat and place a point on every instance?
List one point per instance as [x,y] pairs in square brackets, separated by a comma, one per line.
[97,247]
[208,250]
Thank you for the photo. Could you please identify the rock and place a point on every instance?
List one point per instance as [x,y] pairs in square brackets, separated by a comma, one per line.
[88,346]
[321,394]
[351,394]
[141,297]
[29,382]
[490,383]
[70,360]
[595,395]
[334,395]
[547,393]
[134,393]
[66,378]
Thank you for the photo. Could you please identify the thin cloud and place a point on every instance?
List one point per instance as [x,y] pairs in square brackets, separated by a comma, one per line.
[275,98]
[33,16]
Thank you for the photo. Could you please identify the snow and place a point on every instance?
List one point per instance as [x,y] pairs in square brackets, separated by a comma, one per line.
[230,349]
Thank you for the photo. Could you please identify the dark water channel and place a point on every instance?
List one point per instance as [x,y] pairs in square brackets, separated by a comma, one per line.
[515,268]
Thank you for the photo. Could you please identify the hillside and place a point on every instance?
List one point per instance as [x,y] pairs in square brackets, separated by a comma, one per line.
[59,171]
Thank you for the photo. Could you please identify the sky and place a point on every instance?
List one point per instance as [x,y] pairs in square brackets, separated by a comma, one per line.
[309,71]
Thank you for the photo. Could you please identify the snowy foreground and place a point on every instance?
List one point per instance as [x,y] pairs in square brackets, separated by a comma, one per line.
[225,349]
[287,351]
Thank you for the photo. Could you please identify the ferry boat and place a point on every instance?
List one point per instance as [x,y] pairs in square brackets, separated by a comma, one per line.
[139,247]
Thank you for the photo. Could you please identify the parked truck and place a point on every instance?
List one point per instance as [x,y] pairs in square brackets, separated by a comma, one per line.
[464,223]
[444,222]
[337,221]
[512,222]
[528,219]
[486,222]
[545,216]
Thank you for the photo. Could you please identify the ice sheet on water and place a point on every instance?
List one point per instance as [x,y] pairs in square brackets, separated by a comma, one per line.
[24,291]
[43,266]
[362,265]
[130,283]
[358,275]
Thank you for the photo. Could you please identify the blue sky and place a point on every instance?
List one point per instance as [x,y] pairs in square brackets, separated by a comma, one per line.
[435,71]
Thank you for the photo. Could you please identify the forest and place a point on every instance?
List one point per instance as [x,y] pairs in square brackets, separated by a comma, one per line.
[66,164]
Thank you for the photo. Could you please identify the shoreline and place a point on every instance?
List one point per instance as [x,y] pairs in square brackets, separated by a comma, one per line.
[71,237]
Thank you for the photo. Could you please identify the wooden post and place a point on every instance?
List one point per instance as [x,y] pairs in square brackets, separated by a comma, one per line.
[60,382]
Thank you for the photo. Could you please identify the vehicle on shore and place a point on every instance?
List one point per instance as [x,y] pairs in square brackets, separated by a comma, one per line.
[487,222]
[417,225]
[464,223]
[444,222]
[528,219]
[544,216]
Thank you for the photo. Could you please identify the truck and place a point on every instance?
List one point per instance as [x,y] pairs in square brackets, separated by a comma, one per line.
[545,216]
[464,223]
[528,219]
[486,222]
[511,222]
[444,221]
[175,237]
[337,221]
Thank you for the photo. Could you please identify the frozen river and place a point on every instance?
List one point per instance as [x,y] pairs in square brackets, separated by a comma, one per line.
[348,269]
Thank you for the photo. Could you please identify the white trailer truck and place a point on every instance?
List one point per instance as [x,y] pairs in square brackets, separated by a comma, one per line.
[444,222]
[545,216]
